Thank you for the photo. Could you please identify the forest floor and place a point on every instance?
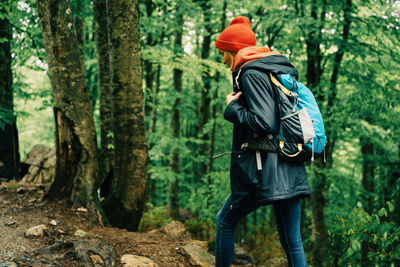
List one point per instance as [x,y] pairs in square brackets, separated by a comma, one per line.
[22,208]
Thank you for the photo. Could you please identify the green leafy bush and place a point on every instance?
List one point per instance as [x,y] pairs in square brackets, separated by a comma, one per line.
[363,237]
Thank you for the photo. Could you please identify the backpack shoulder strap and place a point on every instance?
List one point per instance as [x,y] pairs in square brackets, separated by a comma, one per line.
[280,86]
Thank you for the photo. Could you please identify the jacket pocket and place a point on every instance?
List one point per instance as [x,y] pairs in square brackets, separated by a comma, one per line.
[244,173]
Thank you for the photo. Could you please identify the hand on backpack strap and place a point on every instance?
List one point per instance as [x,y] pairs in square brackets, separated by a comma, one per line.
[232,96]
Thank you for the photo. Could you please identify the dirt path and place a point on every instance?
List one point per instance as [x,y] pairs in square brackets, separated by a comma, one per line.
[21,209]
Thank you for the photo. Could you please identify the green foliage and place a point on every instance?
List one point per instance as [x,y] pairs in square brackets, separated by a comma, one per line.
[359,228]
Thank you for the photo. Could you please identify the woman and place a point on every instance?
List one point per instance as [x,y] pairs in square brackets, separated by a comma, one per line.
[257,181]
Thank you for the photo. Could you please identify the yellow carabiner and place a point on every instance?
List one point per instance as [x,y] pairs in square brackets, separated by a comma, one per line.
[280,86]
[299,147]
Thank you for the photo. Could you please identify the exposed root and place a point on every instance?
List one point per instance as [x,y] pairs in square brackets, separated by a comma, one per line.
[89,252]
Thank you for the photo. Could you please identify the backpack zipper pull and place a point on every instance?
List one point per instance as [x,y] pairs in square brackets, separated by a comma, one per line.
[312,149]
[258,160]
[296,101]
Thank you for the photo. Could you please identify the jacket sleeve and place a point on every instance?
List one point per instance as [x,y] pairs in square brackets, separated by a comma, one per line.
[257,110]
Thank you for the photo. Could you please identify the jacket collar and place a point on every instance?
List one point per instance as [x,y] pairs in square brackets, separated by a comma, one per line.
[251,53]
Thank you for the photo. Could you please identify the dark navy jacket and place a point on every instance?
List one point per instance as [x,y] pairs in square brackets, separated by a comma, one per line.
[256,112]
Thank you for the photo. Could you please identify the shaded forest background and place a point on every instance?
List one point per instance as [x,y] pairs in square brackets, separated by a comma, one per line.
[347,52]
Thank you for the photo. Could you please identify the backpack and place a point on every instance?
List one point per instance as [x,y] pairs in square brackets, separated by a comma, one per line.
[301,129]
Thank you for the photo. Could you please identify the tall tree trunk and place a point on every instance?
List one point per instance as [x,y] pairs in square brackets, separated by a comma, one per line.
[151,188]
[148,66]
[106,155]
[9,147]
[6,93]
[313,75]
[204,112]
[176,125]
[368,175]
[76,165]
[153,120]
[125,206]
[91,73]
[314,56]
[211,145]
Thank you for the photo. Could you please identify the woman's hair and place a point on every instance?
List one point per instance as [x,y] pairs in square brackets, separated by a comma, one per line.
[231,56]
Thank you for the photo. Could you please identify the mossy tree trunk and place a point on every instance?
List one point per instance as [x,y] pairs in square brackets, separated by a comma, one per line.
[76,167]
[124,208]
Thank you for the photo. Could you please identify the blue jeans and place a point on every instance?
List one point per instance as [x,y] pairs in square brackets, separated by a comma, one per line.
[287,214]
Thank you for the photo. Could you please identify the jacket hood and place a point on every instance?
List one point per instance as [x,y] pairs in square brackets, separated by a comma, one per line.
[263,59]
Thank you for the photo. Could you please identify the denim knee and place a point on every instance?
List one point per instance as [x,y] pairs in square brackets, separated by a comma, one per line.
[218,217]
[223,222]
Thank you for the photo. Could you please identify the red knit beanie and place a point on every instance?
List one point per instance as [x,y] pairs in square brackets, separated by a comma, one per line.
[236,36]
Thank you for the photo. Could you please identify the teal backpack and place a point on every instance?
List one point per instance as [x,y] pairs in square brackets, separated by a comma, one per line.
[301,132]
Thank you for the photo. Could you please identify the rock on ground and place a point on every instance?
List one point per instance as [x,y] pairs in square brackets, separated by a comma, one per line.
[198,256]
[277,262]
[136,261]
[41,163]
[176,230]
[36,231]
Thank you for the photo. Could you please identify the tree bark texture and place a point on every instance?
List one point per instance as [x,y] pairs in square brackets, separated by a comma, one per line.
[80,27]
[76,167]
[176,126]
[125,207]
[105,100]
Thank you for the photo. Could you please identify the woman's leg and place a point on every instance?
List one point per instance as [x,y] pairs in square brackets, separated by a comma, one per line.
[227,218]
[287,213]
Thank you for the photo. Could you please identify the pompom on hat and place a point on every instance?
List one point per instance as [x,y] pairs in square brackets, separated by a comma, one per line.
[237,35]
